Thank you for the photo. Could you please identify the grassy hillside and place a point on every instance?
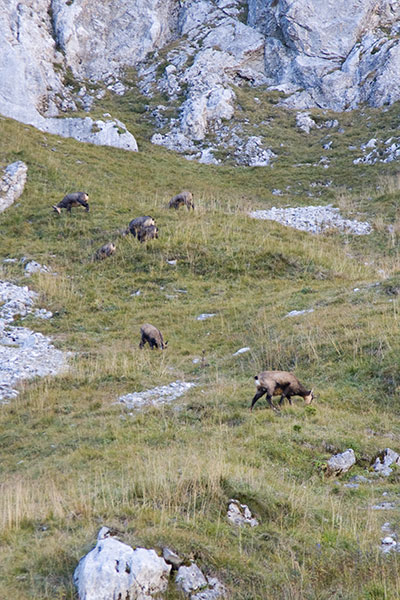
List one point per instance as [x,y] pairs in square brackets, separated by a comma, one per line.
[72,460]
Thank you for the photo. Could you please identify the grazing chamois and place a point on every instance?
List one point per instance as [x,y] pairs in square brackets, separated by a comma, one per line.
[106,250]
[185,198]
[283,383]
[147,233]
[152,336]
[136,224]
[70,200]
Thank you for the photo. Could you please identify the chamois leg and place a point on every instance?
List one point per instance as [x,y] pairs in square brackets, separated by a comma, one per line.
[284,395]
[269,400]
[258,395]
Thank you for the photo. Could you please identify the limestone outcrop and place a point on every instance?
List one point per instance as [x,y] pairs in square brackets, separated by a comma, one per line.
[12,183]
[332,54]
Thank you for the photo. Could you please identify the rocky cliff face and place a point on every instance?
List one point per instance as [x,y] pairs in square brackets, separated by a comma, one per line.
[326,53]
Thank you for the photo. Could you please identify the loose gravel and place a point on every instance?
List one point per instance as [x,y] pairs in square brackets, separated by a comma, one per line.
[157,396]
[313,219]
[23,353]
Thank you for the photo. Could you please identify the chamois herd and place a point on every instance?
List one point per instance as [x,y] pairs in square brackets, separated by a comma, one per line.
[270,383]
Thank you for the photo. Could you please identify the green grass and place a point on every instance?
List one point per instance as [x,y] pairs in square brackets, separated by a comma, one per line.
[72,460]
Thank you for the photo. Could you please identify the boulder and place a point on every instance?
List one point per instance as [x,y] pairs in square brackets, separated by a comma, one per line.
[341,463]
[114,570]
[240,514]
[12,183]
[191,581]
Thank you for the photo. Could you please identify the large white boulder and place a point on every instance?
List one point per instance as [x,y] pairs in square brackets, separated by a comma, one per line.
[114,570]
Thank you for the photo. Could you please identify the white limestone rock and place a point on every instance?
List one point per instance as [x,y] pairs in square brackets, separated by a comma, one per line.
[384,460]
[305,122]
[12,183]
[191,581]
[341,463]
[157,396]
[240,514]
[313,219]
[99,38]
[336,52]
[24,353]
[114,570]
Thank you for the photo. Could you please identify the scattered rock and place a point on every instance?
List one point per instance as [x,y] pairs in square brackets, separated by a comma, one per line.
[305,122]
[190,579]
[241,351]
[383,461]
[24,354]
[240,514]
[32,267]
[205,316]
[156,396]
[12,183]
[341,463]
[384,506]
[379,151]
[114,570]
[388,543]
[313,219]
[296,313]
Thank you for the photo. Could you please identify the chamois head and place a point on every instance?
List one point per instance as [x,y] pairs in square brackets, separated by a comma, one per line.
[309,397]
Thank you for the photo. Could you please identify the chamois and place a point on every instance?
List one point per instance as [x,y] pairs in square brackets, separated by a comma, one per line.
[184,198]
[283,383]
[152,336]
[136,224]
[70,200]
[106,250]
[147,233]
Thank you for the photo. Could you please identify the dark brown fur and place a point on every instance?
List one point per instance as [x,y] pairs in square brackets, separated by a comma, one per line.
[280,383]
[70,200]
[136,224]
[152,336]
[147,233]
[185,198]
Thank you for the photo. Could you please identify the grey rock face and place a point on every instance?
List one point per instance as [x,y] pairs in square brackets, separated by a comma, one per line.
[341,463]
[334,51]
[114,570]
[12,183]
[103,38]
[31,75]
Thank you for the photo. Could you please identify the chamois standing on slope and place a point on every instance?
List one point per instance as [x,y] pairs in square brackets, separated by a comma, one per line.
[137,224]
[184,198]
[147,233]
[152,336]
[70,200]
[283,383]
